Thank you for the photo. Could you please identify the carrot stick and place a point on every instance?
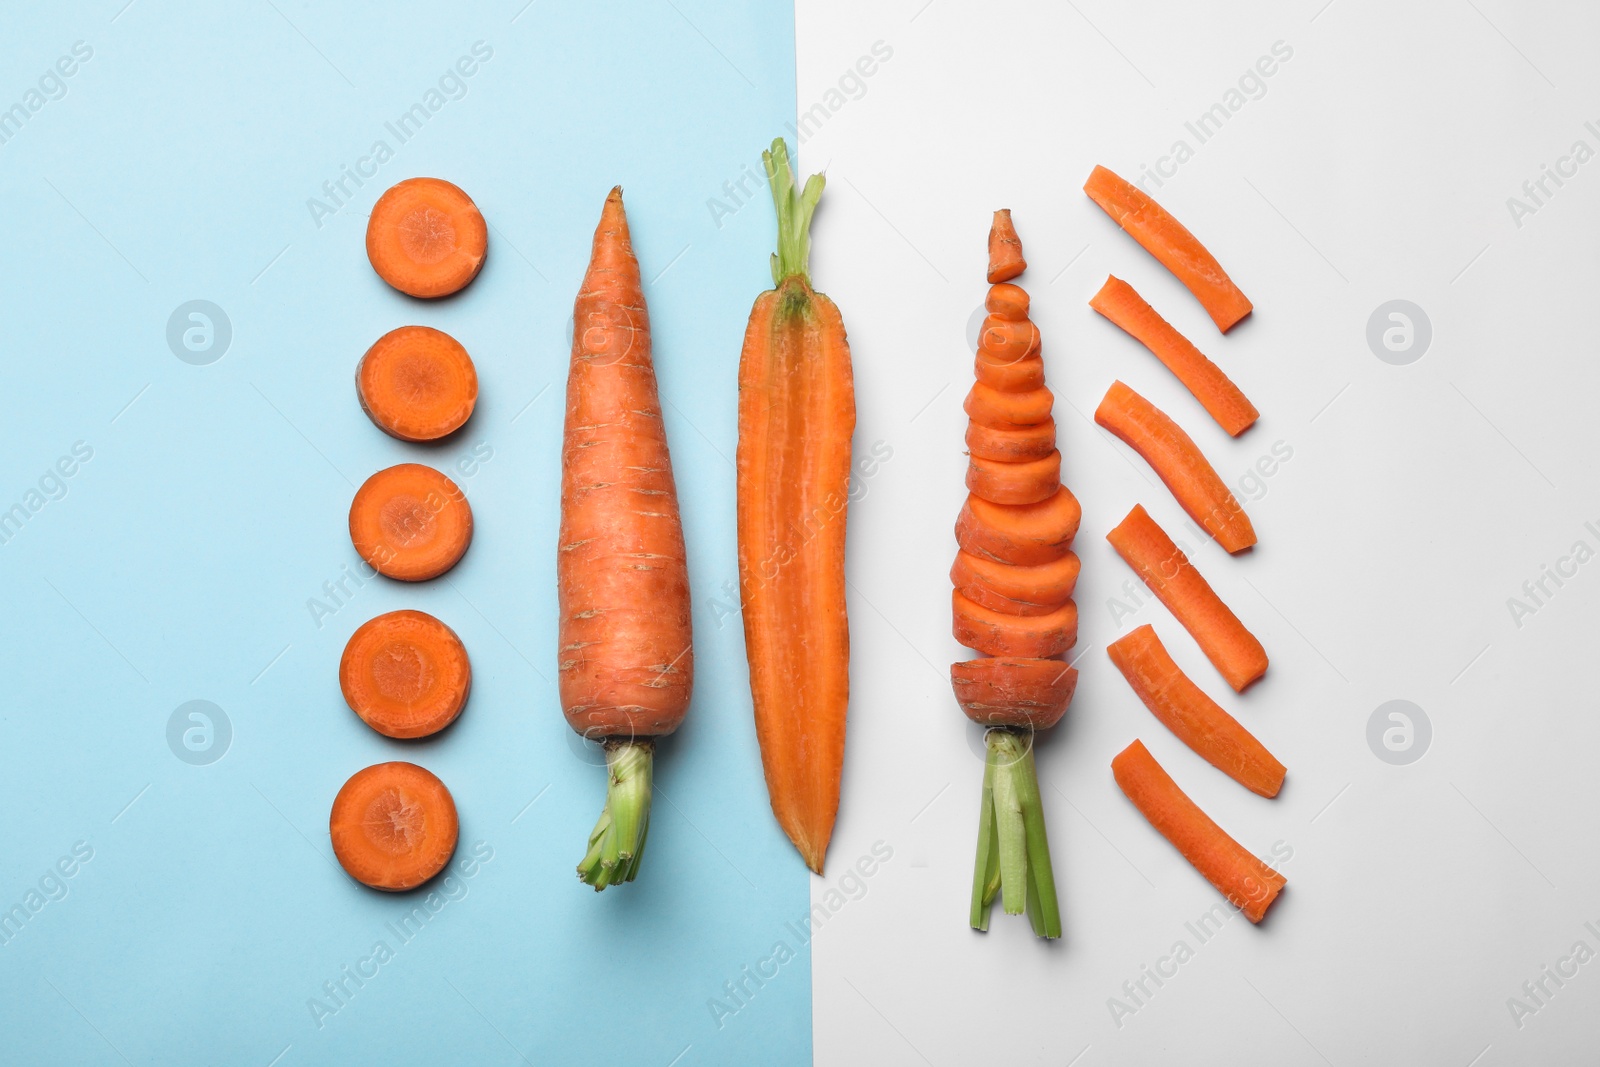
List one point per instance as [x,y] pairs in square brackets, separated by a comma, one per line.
[1118,302]
[1165,238]
[417,383]
[1185,709]
[1014,691]
[1174,456]
[1016,482]
[1013,590]
[996,633]
[1162,566]
[1023,534]
[796,416]
[1250,885]
[410,522]
[426,237]
[393,826]
[1005,250]
[1012,445]
[405,673]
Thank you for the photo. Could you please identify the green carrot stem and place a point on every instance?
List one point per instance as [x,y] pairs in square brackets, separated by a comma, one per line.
[1013,850]
[617,841]
[986,872]
[794,213]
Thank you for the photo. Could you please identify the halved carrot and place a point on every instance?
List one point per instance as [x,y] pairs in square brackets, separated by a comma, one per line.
[417,383]
[1016,482]
[1119,302]
[1198,720]
[410,522]
[1012,445]
[996,633]
[426,237]
[1004,587]
[1007,301]
[1008,410]
[1023,534]
[1003,340]
[1174,456]
[393,826]
[1163,567]
[1165,238]
[405,673]
[1010,376]
[1014,691]
[1250,885]
[1005,249]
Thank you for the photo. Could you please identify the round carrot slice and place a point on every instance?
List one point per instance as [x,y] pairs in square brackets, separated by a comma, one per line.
[1008,411]
[406,674]
[426,237]
[417,383]
[410,522]
[1014,691]
[1005,587]
[1024,534]
[1007,340]
[1011,445]
[1010,376]
[1007,300]
[995,633]
[394,826]
[1025,482]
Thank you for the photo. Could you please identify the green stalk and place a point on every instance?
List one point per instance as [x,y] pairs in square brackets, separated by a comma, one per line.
[1013,851]
[794,214]
[617,842]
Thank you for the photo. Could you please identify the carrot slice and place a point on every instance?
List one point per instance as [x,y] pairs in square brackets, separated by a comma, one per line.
[1162,566]
[1008,411]
[1012,445]
[1036,590]
[405,673]
[1250,885]
[410,522]
[1119,302]
[1023,534]
[426,237]
[394,826]
[1021,482]
[1010,376]
[1174,456]
[1003,340]
[417,383]
[1014,691]
[1177,249]
[995,633]
[1007,301]
[1005,249]
[1198,720]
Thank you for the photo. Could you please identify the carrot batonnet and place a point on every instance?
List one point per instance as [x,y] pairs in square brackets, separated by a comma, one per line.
[417,383]
[1162,566]
[1195,718]
[796,416]
[1024,693]
[426,237]
[405,673]
[1005,249]
[1118,302]
[1175,247]
[1174,456]
[1249,884]
[410,522]
[625,665]
[393,826]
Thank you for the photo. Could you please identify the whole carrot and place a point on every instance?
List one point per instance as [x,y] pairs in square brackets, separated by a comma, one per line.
[796,415]
[626,664]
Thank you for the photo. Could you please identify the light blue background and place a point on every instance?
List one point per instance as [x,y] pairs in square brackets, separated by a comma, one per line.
[179,563]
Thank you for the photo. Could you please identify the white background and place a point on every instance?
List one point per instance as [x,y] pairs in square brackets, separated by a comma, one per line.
[1418,499]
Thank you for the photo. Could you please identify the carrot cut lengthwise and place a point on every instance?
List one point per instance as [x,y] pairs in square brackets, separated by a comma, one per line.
[417,383]
[394,826]
[1174,456]
[626,661]
[410,522]
[405,673]
[1162,566]
[1166,238]
[797,413]
[1250,885]
[1195,718]
[1118,302]
[426,237]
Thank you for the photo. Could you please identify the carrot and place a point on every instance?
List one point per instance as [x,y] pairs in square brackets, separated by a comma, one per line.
[1023,534]
[1013,590]
[393,826]
[1118,302]
[1174,456]
[1005,250]
[998,633]
[405,673]
[1017,376]
[1009,691]
[1020,482]
[1162,566]
[1008,411]
[626,662]
[1002,340]
[1185,709]
[1249,884]
[410,522]
[417,383]
[426,237]
[1007,301]
[1178,250]
[1012,445]
[796,415]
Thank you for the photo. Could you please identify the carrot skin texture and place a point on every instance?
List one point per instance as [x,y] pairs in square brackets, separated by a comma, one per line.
[1163,567]
[1005,249]
[1174,246]
[1196,719]
[1250,885]
[1123,306]
[1014,691]
[1174,456]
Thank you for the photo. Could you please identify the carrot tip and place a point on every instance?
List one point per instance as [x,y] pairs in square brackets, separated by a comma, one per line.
[617,843]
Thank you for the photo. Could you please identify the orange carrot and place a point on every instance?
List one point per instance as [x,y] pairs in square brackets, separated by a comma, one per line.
[1021,375]
[410,522]
[1016,482]
[997,633]
[393,826]
[405,673]
[1012,445]
[1118,302]
[1174,456]
[1008,411]
[1250,885]
[1003,340]
[1025,534]
[1005,250]
[426,237]
[1165,238]
[1007,301]
[1185,709]
[417,383]
[626,662]
[1013,590]
[1028,694]
[796,416]
[1162,566]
